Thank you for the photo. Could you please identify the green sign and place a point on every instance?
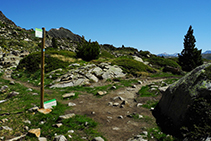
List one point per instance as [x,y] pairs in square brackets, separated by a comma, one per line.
[38,32]
[50,103]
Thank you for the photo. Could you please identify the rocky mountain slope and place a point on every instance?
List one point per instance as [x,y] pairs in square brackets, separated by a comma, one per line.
[110,98]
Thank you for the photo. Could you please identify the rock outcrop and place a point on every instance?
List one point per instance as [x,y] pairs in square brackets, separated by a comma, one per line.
[177,100]
[86,74]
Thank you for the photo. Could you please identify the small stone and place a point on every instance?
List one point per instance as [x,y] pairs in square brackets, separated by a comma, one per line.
[140,82]
[42,139]
[71,104]
[29,90]
[13,93]
[70,131]
[101,93]
[57,125]
[98,139]
[60,138]
[1,138]
[12,83]
[140,116]
[109,117]
[42,122]
[116,128]
[116,104]
[134,86]
[122,106]
[68,95]
[27,121]
[34,93]
[110,103]
[70,136]
[6,128]
[86,123]
[113,87]
[120,116]
[93,113]
[4,120]
[84,138]
[26,128]
[151,109]
[121,98]
[67,116]
[36,132]
[139,104]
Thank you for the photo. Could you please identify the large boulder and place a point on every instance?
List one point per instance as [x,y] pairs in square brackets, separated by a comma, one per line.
[178,102]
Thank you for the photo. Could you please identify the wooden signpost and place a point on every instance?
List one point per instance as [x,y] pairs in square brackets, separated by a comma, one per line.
[40,33]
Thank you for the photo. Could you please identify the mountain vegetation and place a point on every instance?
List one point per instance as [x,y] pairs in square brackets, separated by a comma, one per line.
[190,56]
[92,74]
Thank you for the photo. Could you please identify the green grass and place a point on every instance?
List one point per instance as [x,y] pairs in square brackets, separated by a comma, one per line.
[132,66]
[150,104]
[164,74]
[16,111]
[146,92]
[159,135]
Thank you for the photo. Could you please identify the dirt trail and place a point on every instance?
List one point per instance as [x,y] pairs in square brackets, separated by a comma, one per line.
[114,123]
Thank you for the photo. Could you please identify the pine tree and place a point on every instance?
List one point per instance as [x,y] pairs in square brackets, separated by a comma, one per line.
[190,56]
[88,50]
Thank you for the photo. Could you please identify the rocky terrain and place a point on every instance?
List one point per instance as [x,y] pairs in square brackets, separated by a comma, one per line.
[111,98]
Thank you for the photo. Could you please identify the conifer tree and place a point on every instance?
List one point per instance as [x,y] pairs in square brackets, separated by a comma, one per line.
[190,56]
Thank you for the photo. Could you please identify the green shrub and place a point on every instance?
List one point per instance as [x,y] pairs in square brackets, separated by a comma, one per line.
[132,66]
[32,63]
[88,50]
[162,62]
[106,54]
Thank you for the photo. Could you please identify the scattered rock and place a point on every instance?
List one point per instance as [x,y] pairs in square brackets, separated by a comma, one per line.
[139,104]
[71,104]
[113,87]
[12,82]
[116,128]
[5,128]
[60,138]
[120,116]
[116,104]
[101,93]
[163,89]
[68,95]
[98,139]
[29,89]
[4,120]
[36,132]
[4,89]
[13,93]
[42,139]
[70,131]
[34,109]
[16,138]
[57,125]
[67,116]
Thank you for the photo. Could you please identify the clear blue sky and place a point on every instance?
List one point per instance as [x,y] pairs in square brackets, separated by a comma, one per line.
[154,25]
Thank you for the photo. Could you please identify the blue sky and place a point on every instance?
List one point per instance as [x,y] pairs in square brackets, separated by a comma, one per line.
[154,25]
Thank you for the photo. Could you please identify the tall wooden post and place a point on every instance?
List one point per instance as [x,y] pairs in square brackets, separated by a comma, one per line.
[42,70]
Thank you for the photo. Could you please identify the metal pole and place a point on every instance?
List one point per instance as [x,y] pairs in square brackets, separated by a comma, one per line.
[42,70]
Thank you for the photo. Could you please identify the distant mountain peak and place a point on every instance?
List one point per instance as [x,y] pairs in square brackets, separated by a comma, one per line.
[63,33]
[4,19]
